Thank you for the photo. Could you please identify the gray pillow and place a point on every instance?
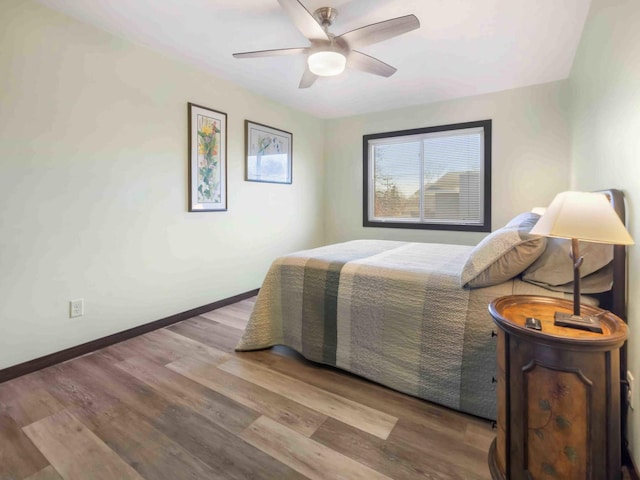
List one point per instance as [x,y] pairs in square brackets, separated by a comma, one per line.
[597,282]
[504,254]
[555,267]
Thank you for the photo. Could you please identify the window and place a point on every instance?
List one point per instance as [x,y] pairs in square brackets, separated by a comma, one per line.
[435,178]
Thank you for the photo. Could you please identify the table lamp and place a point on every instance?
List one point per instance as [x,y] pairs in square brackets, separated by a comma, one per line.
[581,216]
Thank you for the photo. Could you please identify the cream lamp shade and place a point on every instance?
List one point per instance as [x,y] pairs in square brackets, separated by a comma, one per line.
[585,216]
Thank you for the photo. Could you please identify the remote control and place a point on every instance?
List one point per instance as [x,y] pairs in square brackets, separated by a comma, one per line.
[533,323]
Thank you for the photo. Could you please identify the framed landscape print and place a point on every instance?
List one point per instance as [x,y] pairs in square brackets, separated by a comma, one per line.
[268,154]
[207,160]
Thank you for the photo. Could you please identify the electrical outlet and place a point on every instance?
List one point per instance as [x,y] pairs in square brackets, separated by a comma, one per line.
[76,308]
[630,390]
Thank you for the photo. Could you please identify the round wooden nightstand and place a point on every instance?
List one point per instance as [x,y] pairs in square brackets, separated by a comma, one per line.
[558,393]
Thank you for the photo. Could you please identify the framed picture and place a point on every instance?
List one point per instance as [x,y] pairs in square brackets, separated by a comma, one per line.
[207,160]
[268,153]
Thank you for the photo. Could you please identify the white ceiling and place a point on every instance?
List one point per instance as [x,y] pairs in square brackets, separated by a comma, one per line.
[463,47]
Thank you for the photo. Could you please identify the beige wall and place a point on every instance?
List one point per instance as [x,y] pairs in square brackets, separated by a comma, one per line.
[530,157]
[93,186]
[605,121]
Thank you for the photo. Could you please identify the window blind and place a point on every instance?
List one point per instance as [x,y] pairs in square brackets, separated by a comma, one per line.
[434,177]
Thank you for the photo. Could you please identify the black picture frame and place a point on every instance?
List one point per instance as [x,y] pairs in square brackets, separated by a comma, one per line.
[207,129]
[268,154]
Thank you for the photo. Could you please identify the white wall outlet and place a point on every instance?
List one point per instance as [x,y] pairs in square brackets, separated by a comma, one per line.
[76,308]
[630,390]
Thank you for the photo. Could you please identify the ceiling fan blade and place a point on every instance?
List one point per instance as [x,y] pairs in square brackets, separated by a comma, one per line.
[377,32]
[365,63]
[303,20]
[271,53]
[308,79]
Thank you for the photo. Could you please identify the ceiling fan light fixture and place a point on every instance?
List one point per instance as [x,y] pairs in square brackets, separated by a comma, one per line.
[327,63]
[327,54]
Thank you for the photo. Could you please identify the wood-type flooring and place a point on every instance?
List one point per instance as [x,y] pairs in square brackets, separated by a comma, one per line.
[179,403]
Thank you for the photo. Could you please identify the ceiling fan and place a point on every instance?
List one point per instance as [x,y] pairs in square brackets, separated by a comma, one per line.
[328,55]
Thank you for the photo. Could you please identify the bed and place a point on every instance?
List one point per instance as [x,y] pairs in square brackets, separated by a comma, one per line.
[411,316]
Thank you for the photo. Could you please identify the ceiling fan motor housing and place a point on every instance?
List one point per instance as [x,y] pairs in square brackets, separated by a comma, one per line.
[327,58]
[325,16]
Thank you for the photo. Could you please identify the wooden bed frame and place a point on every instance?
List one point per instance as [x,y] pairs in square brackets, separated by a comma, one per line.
[616,301]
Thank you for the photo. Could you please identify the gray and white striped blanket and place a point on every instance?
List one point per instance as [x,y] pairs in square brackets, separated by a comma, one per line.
[392,312]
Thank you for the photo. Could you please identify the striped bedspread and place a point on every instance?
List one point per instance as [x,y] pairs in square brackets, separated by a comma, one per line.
[392,312]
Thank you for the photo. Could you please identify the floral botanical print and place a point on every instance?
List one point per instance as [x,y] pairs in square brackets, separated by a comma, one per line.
[209,173]
[268,144]
[268,154]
